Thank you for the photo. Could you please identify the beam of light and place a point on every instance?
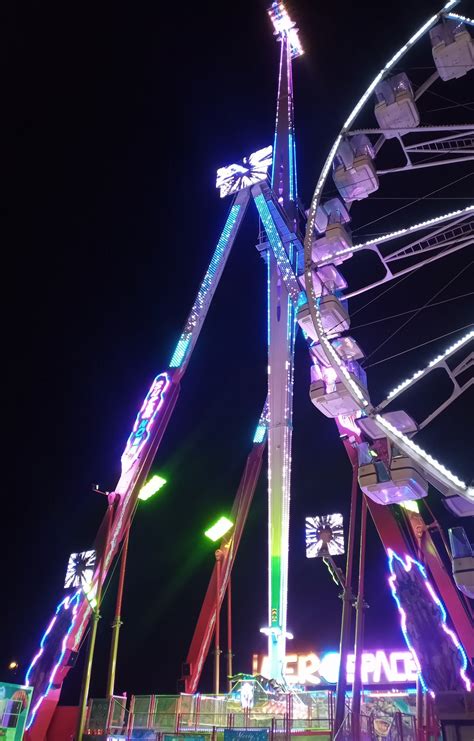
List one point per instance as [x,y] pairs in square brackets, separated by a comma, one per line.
[219,529]
[151,487]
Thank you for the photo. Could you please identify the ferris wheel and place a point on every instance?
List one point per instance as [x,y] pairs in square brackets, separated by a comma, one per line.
[402,145]
[392,195]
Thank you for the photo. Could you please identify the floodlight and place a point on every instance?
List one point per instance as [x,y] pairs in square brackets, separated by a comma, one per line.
[151,487]
[219,529]
[80,569]
[253,170]
[284,26]
[411,505]
[324,536]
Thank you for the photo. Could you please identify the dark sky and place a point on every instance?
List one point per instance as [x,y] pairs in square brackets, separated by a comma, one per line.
[119,118]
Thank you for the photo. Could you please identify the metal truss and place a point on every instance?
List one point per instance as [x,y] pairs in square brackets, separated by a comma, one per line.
[455,231]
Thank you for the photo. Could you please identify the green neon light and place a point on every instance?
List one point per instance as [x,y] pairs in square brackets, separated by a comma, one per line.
[219,529]
[151,487]
[410,505]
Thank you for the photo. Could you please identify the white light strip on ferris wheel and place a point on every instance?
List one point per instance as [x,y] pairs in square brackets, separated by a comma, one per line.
[452,348]
[406,230]
[462,18]
[422,453]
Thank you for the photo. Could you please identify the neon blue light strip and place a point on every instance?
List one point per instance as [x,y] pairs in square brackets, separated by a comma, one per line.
[277,246]
[260,433]
[206,285]
[291,152]
[180,351]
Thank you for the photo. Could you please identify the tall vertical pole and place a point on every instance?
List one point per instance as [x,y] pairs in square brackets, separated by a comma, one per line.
[346,609]
[117,624]
[359,626]
[86,677]
[281,336]
[420,734]
[217,631]
[229,634]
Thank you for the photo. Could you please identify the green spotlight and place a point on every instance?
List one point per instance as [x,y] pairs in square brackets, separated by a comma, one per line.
[151,487]
[219,529]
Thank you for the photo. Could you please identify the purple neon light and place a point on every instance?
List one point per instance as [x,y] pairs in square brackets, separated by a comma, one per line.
[144,421]
[407,565]
[67,602]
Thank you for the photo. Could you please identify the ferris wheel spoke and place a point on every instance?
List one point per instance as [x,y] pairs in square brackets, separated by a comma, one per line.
[435,363]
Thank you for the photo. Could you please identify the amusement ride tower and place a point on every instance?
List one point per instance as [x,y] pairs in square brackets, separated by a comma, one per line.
[281,343]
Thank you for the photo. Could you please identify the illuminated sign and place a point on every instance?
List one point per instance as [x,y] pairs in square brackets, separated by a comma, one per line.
[144,421]
[235,177]
[324,536]
[378,667]
[80,569]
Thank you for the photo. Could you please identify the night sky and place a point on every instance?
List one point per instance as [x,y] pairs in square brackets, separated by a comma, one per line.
[119,118]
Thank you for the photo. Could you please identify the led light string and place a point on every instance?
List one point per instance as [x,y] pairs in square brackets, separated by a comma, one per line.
[438,359]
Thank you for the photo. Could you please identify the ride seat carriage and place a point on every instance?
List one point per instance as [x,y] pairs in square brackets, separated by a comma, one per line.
[354,172]
[328,393]
[392,479]
[453,49]
[326,279]
[334,317]
[346,347]
[396,108]
[331,220]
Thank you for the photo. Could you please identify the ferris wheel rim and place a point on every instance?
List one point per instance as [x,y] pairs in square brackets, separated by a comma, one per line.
[437,470]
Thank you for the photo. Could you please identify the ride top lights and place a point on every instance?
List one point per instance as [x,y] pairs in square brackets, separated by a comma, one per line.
[144,421]
[284,26]
[80,569]
[436,649]
[151,487]
[66,611]
[219,529]
[324,536]
[254,169]
[438,359]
